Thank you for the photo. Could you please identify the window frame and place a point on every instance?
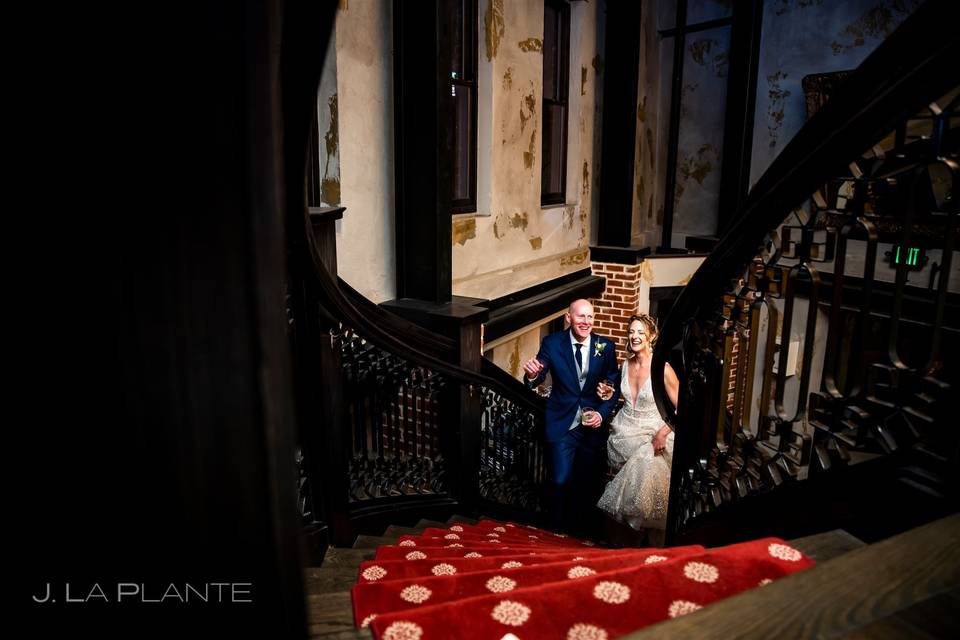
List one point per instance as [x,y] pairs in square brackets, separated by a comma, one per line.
[561,98]
[466,84]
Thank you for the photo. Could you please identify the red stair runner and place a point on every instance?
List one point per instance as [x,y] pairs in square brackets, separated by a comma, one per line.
[549,586]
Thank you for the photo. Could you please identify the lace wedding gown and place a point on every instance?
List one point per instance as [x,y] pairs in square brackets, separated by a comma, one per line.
[638,494]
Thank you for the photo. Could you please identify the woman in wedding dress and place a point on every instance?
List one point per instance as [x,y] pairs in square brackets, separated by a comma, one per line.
[640,448]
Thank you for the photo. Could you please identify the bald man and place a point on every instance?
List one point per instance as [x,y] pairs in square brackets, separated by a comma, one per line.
[577,360]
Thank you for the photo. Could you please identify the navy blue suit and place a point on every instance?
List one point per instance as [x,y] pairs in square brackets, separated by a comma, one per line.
[576,457]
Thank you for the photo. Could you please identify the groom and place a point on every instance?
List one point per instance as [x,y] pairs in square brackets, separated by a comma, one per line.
[576,439]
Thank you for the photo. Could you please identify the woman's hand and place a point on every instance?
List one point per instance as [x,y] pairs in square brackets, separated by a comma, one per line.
[604,390]
[660,440]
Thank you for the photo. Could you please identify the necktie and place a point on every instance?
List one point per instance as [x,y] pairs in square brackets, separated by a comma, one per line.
[579,357]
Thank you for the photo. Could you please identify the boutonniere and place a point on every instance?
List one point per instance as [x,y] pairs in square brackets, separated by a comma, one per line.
[598,349]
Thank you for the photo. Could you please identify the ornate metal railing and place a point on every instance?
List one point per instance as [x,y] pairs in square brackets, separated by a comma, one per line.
[809,362]
[393,412]
[389,420]
[512,462]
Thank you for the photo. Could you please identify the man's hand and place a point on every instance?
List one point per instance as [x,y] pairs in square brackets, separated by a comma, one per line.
[591,419]
[660,440]
[532,368]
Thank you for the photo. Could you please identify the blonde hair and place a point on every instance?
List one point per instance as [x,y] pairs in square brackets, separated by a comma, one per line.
[650,328]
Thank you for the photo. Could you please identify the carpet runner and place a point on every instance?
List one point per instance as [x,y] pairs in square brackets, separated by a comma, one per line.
[537,584]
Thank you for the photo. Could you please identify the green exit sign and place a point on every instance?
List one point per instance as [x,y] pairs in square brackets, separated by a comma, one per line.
[914,257]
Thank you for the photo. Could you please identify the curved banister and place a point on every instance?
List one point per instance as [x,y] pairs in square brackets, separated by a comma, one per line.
[421,339]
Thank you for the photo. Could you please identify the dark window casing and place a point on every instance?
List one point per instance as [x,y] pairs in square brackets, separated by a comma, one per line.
[556,80]
[463,89]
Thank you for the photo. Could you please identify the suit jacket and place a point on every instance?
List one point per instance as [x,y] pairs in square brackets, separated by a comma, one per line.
[566,396]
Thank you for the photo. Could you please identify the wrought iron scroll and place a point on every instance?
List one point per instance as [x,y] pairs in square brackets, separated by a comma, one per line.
[394,410]
[860,393]
[511,453]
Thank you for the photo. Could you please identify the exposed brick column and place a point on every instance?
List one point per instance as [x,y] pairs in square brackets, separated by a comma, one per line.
[621,267]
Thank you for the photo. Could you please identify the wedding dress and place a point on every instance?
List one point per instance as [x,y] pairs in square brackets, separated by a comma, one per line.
[638,494]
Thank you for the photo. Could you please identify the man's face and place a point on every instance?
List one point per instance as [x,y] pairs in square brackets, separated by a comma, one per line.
[580,317]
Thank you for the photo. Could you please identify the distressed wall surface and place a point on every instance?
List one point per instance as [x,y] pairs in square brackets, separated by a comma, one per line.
[328,128]
[365,236]
[511,243]
[802,37]
[653,104]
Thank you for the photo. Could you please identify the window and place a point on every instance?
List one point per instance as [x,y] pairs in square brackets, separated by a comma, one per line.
[556,56]
[464,90]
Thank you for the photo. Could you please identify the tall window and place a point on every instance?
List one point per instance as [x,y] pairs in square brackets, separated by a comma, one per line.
[556,56]
[464,90]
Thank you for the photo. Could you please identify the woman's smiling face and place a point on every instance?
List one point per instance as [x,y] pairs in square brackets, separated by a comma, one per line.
[637,337]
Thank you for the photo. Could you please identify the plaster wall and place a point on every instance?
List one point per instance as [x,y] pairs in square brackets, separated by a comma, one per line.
[328,129]
[512,243]
[510,352]
[365,236]
[802,37]
[653,103]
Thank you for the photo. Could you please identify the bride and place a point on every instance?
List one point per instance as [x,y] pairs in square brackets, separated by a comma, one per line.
[640,448]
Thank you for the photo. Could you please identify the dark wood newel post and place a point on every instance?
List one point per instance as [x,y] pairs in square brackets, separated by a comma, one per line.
[323,422]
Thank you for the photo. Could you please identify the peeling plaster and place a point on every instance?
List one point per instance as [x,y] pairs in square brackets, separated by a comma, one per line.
[778,98]
[508,79]
[586,177]
[515,358]
[583,81]
[642,110]
[660,215]
[568,218]
[685,280]
[493,27]
[598,64]
[700,51]
[463,230]
[687,90]
[577,258]
[646,272]
[519,221]
[650,145]
[529,156]
[530,102]
[330,191]
[330,184]
[496,228]
[332,137]
[641,187]
[697,166]
[536,243]
[786,5]
[530,45]
[878,22]
[650,209]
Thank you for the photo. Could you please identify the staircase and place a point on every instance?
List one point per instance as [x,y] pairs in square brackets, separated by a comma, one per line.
[329,613]
[841,596]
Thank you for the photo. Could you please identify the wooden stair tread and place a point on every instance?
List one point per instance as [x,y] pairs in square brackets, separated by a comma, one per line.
[319,580]
[343,557]
[332,613]
[933,618]
[372,542]
[838,596]
[395,531]
[827,545]
[436,524]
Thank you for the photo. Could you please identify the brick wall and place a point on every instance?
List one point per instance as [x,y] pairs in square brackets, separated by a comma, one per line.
[618,302]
